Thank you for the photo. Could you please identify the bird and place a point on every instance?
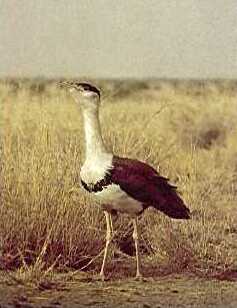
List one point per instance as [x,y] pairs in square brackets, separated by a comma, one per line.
[121,184]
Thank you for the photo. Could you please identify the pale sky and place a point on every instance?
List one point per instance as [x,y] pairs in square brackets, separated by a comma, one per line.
[119,38]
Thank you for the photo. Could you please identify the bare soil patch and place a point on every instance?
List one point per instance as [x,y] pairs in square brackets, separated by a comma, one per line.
[170,291]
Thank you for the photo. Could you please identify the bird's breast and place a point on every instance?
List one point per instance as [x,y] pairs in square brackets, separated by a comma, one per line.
[116,199]
[95,169]
[95,178]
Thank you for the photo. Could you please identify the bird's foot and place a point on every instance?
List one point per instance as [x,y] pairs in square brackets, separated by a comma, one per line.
[140,278]
[102,277]
[99,277]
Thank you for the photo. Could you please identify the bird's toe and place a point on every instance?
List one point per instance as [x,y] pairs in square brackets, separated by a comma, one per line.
[139,277]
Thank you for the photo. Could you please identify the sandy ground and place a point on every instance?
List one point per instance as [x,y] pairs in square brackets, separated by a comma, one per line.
[170,291]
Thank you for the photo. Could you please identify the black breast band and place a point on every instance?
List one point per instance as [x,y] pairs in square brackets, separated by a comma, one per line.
[98,186]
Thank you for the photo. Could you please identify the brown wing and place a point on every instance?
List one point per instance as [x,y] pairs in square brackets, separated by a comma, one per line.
[143,183]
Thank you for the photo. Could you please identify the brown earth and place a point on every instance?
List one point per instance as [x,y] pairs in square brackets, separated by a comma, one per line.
[169,291]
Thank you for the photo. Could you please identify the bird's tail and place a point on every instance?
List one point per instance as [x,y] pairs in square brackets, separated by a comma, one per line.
[171,204]
[174,207]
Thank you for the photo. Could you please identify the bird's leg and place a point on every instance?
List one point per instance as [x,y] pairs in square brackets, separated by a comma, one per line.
[136,241]
[111,225]
[108,240]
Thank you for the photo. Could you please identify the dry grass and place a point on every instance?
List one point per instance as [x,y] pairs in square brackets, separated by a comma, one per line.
[185,130]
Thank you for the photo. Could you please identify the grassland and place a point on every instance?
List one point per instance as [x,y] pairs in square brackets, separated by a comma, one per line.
[186,130]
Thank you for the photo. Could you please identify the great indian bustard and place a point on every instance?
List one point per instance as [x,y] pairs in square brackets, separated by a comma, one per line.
[122,185]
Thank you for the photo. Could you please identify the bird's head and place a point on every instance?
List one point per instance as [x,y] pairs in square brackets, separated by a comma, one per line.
[85,94]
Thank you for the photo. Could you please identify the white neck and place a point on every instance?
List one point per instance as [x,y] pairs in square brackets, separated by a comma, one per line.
[94,142]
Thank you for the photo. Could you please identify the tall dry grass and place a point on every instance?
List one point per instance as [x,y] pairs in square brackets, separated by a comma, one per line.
[186,130]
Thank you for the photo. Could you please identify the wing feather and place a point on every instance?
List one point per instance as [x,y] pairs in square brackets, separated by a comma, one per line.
[143,183]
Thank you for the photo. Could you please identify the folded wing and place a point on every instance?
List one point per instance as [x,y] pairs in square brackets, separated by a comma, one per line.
[143,183]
